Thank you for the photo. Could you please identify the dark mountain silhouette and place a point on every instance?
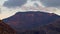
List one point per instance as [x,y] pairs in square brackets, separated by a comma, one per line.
[6,29]
[52,28]
[23,21]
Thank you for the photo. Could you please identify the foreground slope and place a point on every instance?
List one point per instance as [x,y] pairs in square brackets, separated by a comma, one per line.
[6,29]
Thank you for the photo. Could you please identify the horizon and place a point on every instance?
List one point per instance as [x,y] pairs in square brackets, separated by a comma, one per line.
[7,11]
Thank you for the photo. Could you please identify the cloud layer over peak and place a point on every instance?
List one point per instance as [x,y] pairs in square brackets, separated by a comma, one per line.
[18,3]
[51,3]
[14,3]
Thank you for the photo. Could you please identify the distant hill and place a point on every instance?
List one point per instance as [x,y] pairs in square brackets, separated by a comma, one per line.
[6,29]
[23,21]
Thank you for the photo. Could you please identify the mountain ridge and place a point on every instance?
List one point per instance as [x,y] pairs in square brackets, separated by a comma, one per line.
[22,21]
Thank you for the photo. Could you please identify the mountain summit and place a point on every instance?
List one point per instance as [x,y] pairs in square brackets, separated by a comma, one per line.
[23,21]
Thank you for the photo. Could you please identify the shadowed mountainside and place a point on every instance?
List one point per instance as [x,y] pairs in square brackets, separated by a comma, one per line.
[52,28]
[23,21]
[6,29]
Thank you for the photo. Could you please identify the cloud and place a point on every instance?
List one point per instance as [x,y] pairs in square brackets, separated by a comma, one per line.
[51,3]
[14,3]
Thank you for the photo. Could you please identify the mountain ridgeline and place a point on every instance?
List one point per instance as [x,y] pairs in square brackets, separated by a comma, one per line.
[27,21]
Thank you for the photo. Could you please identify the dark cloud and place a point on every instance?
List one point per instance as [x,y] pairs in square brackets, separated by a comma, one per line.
[51,3]
[14,3]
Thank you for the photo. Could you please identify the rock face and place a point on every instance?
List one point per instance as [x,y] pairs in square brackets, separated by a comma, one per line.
[6,29]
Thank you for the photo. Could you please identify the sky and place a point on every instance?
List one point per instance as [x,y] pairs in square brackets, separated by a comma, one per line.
[11,7]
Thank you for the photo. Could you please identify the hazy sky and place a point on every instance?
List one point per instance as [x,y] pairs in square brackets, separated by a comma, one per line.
[10,7]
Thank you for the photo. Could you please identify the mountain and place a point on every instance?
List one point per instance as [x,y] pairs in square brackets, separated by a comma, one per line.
[52,28]
[6,29]
[30,20]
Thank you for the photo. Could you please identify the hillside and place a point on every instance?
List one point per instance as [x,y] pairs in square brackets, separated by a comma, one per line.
[52,28]
[23,21]
[6,29]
